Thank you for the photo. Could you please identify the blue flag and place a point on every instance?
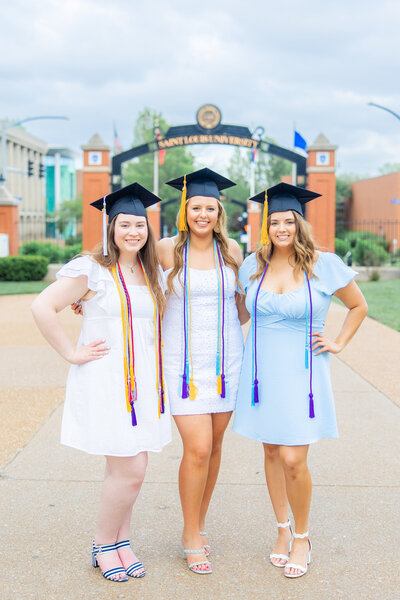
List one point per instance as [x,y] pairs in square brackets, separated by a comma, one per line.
[299,141]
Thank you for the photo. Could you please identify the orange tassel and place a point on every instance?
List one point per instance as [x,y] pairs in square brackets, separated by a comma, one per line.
[182,216]
[264,228]
[219,385]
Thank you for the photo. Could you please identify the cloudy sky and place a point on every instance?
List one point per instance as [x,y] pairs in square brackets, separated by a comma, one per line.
[316,64]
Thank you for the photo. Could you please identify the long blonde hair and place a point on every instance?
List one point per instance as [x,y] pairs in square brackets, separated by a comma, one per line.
[304,249]
[220,234]
[147,254]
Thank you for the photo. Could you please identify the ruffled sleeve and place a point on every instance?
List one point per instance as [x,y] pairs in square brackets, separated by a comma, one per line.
[85,265]
[332,273]
[248,268]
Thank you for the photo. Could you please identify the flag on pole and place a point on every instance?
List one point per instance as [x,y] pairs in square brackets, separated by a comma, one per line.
[117,144]
[299,141]
[161,151]
[253,155]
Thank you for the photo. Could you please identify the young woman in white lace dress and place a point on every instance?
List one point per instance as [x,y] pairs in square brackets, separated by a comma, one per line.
[101,415]
[203,346]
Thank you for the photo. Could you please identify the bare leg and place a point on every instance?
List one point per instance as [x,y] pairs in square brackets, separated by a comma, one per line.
[219,424]
[196,434]
[122,482]
[298,486]
[276,483]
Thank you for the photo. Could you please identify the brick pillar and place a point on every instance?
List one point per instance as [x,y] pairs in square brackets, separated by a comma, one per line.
[154,215]
[9,219]
[95,184]
[321,178]
[253,224]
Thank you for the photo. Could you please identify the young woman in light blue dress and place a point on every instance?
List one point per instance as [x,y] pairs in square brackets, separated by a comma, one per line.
[285,398]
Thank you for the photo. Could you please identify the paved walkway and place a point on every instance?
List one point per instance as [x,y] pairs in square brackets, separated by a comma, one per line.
[49,493]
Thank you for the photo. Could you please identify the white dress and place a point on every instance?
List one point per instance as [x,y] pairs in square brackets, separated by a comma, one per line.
[95,417]
[204,335]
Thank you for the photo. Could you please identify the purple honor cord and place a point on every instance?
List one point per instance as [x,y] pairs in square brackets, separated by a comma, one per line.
[223,322]
[185,383]
[311,413]
[255,398]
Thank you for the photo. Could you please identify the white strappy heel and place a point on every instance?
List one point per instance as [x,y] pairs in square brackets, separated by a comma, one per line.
[207,547]
[303,569]
[282,556]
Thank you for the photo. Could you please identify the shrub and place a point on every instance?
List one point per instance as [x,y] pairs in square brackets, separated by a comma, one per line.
[73,240]
[71,251]
[341,247]
[54,252]
[23,268]
[374,275]
[367,254]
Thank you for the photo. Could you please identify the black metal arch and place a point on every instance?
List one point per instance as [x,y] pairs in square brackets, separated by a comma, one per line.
[187,135]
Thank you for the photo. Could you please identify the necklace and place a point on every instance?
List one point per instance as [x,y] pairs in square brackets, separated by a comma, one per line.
[132,268]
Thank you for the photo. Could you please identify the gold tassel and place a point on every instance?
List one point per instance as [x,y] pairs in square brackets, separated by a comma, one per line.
[192,390]
[264,226]
[219,385]
[182,217]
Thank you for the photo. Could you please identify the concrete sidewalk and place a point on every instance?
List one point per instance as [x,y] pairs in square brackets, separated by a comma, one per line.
[50,493]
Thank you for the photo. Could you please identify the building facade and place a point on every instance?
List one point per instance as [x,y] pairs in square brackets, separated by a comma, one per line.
[60,186]
[29,191]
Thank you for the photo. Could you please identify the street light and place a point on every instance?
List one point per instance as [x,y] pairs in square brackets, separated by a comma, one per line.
[384,108]
[4,127]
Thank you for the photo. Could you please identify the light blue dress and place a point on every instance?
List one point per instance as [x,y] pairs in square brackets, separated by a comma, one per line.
[282,414]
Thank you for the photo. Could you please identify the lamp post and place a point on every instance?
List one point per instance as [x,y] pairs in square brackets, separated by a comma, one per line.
[384,108]
[4,128]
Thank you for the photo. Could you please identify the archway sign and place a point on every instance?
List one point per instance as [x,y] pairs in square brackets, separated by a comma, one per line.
[209,129]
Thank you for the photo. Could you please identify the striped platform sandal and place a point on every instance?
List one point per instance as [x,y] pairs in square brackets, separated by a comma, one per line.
[133,569]
[282,556]
[207,547]
[111,574]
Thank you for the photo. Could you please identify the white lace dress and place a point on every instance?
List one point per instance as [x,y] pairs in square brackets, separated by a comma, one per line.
[95,417]
[204,336]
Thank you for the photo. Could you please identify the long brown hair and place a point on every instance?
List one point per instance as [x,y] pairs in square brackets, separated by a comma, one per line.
[147,254]
[304,249]
[220,234]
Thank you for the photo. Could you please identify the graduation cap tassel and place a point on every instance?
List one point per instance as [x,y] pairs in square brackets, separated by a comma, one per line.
[182,217]
[264,227]
[105,249]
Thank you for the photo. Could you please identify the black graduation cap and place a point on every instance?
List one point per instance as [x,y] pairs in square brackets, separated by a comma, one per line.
[132,199]
[284,197]
[203,182]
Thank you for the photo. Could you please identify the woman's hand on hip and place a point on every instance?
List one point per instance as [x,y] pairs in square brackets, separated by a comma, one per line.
[89,352]
[321,344]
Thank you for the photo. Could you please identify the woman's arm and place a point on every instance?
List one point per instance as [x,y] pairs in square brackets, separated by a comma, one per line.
[243,313]
[165,253]
[353,299]
[51,301]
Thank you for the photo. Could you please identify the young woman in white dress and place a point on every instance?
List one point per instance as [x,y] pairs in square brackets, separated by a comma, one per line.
[203,346]
[115,398]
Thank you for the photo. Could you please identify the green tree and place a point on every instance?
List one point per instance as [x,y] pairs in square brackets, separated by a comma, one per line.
[269,171]
[389,168]
[177,161]
[69,210]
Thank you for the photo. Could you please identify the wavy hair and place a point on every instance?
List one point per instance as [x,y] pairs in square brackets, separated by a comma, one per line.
[305,249]
[220,234]
[147,254]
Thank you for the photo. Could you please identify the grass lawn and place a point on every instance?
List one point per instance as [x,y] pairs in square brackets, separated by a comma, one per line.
[383,299]
[22,287]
